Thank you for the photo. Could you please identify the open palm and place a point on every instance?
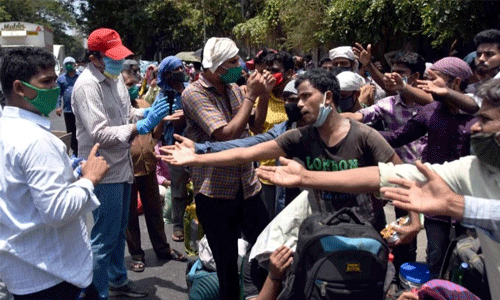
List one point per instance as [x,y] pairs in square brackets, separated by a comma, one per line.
[289,174]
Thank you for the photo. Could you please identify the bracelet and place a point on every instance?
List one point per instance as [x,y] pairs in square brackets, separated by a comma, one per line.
[252,100]
[274,279]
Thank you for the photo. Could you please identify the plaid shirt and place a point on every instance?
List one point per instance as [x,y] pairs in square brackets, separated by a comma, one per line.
[206,111]
[395,113]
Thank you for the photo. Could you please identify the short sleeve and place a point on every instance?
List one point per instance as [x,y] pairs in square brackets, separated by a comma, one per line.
[289,141]
[380,148]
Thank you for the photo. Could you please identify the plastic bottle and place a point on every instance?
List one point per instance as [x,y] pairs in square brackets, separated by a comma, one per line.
[459,274]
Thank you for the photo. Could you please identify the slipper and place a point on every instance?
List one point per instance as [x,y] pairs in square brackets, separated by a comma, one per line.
[173,255]
[178,236]
[137,266]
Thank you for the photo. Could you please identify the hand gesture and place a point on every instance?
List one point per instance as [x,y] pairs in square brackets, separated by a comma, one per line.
[176,116]
[95,167]
[362,54]
[429,86]
[289,174]
[367,94]
[179,154]
[269,81]
[256,85]
[408,296]
[153,116]
[406,234]
[59,111]
[431,197]
[279,261]
[393,82]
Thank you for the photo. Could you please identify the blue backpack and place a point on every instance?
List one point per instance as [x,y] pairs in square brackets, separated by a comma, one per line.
[338,256]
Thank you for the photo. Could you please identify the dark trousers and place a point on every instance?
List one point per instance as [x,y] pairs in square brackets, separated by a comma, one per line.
[63,290]
[269,194]
[69,119]
[221,220]
[152,207]
[438,239]
[179,177]
[403,253]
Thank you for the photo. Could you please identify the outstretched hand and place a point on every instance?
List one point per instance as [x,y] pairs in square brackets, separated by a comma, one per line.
[289,174]
[429,86]
[95,167]
[431,197]
[180,154]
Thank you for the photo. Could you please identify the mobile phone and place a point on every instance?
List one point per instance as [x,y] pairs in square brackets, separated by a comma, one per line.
[170,100]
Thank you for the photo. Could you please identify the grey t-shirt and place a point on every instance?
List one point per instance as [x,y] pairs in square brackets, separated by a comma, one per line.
[362,146]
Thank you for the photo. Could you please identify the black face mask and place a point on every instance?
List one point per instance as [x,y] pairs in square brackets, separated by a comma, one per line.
[293,112]
[345,104]
[338,70]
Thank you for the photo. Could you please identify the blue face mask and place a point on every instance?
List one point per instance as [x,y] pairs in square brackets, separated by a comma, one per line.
[112,68]
[324,111]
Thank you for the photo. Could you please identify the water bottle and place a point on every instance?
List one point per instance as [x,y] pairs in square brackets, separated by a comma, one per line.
[459,274]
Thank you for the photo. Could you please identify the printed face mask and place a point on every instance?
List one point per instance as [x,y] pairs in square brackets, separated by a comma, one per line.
[45,100]
[112,68]
[232,75]
[324,111]
[485,146]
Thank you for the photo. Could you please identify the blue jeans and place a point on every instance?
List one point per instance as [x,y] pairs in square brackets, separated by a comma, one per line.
[108,236]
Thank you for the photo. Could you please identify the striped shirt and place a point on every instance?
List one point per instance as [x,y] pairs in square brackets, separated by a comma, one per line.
[395,113]
[103,112]
[206,111]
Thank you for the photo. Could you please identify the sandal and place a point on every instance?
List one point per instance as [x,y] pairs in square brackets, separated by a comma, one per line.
[178,236]
[137,265]
[173,255]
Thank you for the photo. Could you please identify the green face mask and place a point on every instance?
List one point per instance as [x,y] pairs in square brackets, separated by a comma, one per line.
[133,92]
[485,147]
[69,67]
[232,75]
[46,99]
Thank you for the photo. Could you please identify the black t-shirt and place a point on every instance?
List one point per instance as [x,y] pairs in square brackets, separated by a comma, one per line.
[362,146]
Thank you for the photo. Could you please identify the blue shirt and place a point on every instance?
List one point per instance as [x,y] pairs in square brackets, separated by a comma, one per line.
[66,84]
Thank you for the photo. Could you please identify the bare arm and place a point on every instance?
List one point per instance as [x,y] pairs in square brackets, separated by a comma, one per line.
[365,56]
[237,125]
[293,174]
[257,120]
[185,156]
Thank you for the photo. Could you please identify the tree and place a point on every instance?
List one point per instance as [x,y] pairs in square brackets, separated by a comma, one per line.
[55,14]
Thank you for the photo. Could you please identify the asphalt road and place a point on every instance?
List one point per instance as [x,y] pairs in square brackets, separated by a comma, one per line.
[166,279]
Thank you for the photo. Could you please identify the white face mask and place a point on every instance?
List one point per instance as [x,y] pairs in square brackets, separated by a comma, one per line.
[324,111]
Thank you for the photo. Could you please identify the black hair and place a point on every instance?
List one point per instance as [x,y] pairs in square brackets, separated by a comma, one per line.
[22,63]
[88,53]
[490,91]
[260,57]
[489,36]
[285,58]
[322,80]
[413,61]
[324,60]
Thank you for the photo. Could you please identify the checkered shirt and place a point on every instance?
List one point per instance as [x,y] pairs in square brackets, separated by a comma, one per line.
[206,111]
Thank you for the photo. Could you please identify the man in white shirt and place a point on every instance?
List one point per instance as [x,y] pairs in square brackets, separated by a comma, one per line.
[44,247]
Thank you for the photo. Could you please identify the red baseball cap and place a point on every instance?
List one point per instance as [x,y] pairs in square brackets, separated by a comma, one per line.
[108,41]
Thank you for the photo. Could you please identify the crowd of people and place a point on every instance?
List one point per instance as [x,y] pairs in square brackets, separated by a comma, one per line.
[257,139]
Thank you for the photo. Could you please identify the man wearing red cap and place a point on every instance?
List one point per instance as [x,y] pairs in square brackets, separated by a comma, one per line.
[102,108]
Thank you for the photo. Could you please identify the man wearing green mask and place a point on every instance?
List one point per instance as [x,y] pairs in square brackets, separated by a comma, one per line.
[226,197]
[45,251]
[66,81]
[104,114]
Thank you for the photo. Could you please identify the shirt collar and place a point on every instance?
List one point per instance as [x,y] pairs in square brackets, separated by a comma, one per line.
[100,77]
[204,82]
[399,101]
[16,112]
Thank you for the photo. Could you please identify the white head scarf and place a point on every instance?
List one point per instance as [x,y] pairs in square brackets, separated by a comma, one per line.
[217,51]
[350,81]
[344,52]
[290,87]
